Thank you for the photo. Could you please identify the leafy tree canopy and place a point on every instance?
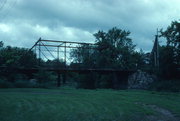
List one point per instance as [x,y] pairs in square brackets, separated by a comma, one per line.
[172,34]
[114,49]
[17,57]
[1,44]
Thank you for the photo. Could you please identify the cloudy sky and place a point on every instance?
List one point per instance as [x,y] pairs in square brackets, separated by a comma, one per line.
[22,22]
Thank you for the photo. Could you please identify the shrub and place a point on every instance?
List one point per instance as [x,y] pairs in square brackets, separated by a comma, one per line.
[45,76]
[5,84]
[104,81]
[20,76]
[24,84]
[49,84]
[166,85]
[86,81]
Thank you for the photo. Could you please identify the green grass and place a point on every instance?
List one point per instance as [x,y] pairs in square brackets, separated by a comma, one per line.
[67,104]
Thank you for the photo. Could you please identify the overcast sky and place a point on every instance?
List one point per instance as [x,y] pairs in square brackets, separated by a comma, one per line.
[22,22]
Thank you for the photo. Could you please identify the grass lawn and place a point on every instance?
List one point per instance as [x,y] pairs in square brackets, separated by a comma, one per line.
[66,104]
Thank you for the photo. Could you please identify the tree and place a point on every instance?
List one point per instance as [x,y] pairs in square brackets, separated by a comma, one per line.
[83,56]
[170,54]
[55,63]
[172,35]
[1,44]
[168,69]
[115,49]
[17,57]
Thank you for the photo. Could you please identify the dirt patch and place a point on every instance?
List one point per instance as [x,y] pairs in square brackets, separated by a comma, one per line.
[163,114]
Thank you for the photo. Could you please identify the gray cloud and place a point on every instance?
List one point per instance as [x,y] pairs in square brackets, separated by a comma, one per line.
[22,22]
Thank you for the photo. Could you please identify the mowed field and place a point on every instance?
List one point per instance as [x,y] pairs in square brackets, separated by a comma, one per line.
[66,104]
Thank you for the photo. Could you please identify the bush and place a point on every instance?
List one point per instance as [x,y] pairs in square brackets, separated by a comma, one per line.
[5,84]
[86,81]
[24,84]
[28,84]
[167,85]
[20,76]
[104,81]
[48,84]
[45,76]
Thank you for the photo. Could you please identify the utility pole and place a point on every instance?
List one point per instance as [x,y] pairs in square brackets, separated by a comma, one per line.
[157,49]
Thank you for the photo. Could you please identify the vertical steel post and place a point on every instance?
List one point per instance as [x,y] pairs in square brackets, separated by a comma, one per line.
[58,53]
[39,53]
[58,61]
[35,51]
[65,54]
[64,79]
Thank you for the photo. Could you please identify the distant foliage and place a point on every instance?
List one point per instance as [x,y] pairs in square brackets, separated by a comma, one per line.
[1,44]
[172,34]
[170,54]
[5,84]
[17,57]
[166,85]
[24,84]
[86,81]
[45,76]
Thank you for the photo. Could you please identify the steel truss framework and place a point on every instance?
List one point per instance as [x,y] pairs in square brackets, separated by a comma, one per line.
[57,49]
